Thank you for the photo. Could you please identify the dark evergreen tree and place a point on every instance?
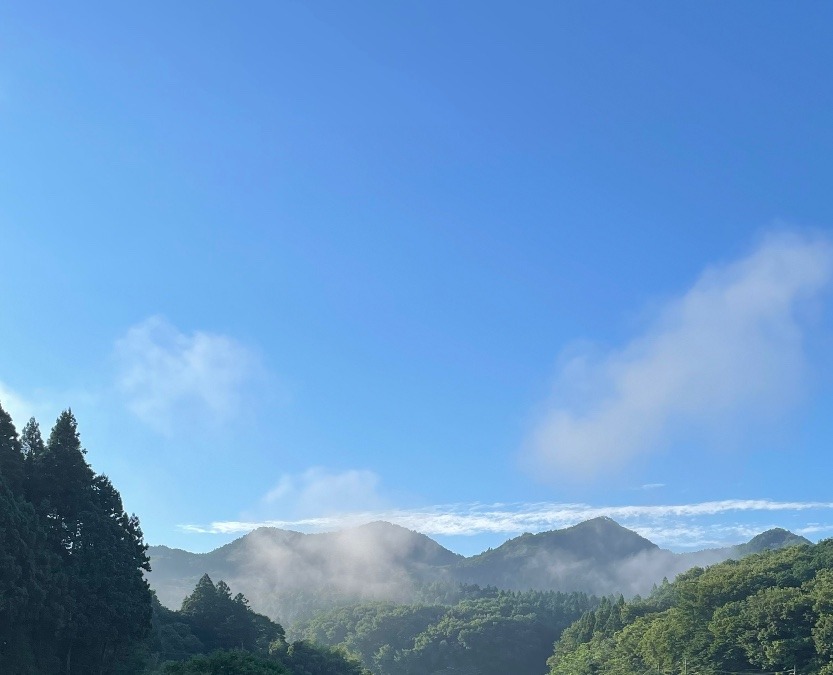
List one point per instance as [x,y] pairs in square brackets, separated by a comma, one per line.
[107,605]
[20,582]
[113,600]
[202,610]
[31,597]
[11,457]
[32,446]
[221,621]
[60,482]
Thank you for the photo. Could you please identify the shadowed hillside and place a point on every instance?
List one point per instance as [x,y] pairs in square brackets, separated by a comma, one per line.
[289,575]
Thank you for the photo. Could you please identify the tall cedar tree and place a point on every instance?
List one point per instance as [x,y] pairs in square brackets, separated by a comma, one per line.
[105,607]
[223,622]
[30,579]
[32,446]
[11,457]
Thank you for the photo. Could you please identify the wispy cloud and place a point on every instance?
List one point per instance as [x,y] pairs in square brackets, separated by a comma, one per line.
[675,525]
[729,349]
[16,405]
[167,374]
[319,490]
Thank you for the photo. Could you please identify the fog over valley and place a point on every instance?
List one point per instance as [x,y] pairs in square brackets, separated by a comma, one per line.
[416,338]
[288,575]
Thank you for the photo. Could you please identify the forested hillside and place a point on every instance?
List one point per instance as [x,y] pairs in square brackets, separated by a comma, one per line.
[291,576]
[491,633]
[73,598]
[72,595]
[770,612]
[216,631]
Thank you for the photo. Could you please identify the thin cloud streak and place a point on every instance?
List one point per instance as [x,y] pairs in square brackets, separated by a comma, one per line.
[660,523]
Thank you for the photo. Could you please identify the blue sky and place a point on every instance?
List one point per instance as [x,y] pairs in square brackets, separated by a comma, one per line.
[473,267]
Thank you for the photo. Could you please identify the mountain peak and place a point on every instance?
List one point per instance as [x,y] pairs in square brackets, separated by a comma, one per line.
[777,537]
[599,521]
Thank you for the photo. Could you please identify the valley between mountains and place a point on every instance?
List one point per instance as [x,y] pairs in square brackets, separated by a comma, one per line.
[291,576]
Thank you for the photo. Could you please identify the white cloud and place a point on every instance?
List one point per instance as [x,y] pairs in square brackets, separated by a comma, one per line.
[730,349]
[16,405]
[167,374]
[674,525]
[320,491]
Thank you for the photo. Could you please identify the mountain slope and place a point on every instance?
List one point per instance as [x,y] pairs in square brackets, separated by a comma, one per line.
[592,556]
[273,567]
[766,613]
[288,575]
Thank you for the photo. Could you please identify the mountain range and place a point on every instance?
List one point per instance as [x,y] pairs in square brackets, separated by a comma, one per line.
[289,575]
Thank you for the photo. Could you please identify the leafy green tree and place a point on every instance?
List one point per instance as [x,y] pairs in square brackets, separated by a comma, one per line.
[498,632]
[769,611]
[228,663]
[821,594]
[305,658]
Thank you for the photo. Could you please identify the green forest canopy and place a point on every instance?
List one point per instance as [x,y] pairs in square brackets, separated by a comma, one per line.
[769,612]
[74,601]
[73,597]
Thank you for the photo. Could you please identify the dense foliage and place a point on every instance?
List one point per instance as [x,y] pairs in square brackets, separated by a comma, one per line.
[496,632]
[299,658]
[73,598]
[217,632]
[768,612]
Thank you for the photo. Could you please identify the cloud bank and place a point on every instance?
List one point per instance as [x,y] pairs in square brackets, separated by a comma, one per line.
[167,375]
[727,352]
[674,525]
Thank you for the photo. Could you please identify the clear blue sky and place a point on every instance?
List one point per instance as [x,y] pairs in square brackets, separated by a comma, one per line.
[478,268]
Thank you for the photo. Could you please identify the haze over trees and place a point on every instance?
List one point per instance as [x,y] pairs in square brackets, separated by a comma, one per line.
[217,631]
[73,597]
[492,632]
[768,612]
[291,576]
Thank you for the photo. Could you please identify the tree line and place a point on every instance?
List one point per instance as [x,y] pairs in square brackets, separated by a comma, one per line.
[216,631]
[488,632]
[74,601]
[73,596]
[769,612]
